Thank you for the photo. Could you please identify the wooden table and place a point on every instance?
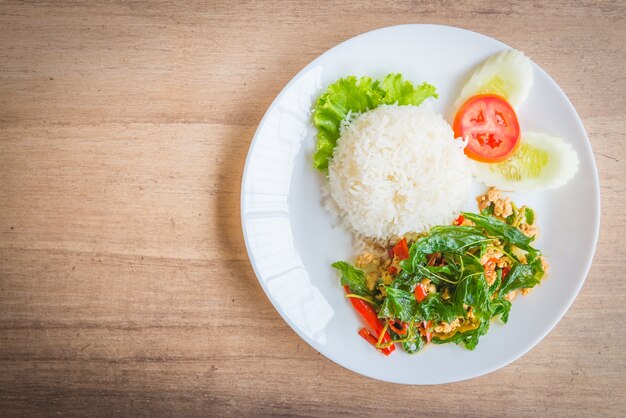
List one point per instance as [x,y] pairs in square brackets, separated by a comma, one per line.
[124,283]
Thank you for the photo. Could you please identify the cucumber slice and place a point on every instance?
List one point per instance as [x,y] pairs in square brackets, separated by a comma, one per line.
[508,74]
[541,162]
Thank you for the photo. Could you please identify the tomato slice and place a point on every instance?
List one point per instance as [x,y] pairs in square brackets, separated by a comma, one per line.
[491,125]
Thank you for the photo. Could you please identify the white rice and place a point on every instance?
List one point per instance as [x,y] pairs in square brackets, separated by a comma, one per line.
[398,169]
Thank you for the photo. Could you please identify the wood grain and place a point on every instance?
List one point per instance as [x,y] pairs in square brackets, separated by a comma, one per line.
[124,284]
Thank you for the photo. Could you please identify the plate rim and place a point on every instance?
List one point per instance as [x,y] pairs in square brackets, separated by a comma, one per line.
[596,222]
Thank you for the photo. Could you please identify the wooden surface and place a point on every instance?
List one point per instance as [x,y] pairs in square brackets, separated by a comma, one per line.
[124,282]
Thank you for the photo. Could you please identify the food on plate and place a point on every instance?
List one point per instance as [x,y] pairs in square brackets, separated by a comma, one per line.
[348,97]
[490,126]
[399,176]
[398,169]
[445,286]
[508,74]
[541,162]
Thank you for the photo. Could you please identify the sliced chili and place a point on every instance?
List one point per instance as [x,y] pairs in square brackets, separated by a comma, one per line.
[363,332]
[400,331]
[371,318]
[505,271]
[401,249]
[420,292]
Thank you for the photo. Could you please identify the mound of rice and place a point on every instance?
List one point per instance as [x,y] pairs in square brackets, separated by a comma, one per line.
[398,169]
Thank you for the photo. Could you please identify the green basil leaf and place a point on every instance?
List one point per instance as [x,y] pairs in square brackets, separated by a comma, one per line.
[443,239]
[434,308]
[353,278]
[521,276]
[399,304]
[501,230]
[468,338]
[530,216]
[502,307]
[414,345]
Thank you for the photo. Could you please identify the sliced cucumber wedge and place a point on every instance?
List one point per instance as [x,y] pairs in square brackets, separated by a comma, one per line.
[541,162]
[508,74]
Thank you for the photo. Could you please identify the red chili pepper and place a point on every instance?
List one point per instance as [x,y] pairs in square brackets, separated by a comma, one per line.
[371,318]
[458,221]
[401,250]
[420,292]
[399,331]
[367,336]
[363,332]
[392,270]
[505,271]
[424,332]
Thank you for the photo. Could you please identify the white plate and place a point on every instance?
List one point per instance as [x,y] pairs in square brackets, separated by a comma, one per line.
[292,240]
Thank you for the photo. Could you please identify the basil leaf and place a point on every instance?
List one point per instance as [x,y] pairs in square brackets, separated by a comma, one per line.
[406,281]
[414,345]
[488,210]
[468,338]
[521,276]
[474,291]
[434,308]
[399,304]
[501,230]
[443,239]
[502,307]
[353,278]
[530,216]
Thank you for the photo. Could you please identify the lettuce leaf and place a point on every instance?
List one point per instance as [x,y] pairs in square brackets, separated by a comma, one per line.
[404,93]
[350,95]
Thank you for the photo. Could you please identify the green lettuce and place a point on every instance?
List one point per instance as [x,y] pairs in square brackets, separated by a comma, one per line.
[351,95]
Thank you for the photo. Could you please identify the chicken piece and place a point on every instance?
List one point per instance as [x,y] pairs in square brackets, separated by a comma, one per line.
[501,205]
[490,276]
[489,254]
[483,202]
[528,230]
[511,295]
[445,328]
[490,271]
[503,262]
[470,313]
[366,259]
[371,279]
